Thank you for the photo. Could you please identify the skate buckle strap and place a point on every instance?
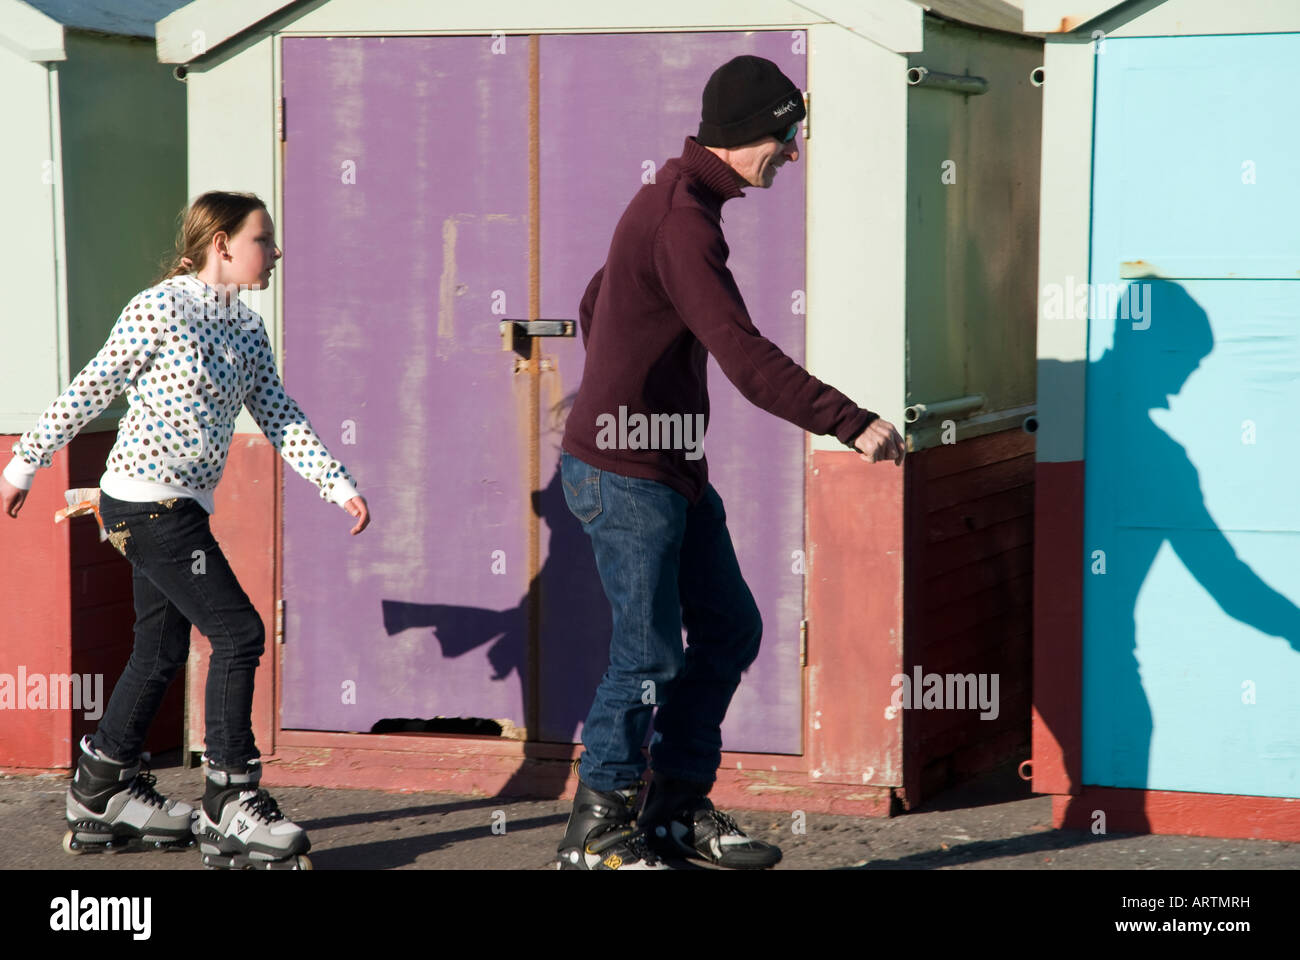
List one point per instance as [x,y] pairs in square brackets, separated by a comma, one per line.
[631,837]
[608,839]
[124,771]
[234,778]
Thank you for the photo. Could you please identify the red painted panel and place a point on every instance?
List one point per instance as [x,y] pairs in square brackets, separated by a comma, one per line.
[244,524]
[1183,814]
[490,766]
[855,619]
[68,609]
[1058,627]
[34,630]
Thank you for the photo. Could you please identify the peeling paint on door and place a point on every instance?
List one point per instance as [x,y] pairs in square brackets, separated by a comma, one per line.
[447,283]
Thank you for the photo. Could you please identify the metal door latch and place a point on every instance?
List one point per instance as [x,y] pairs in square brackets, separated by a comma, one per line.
[510,329]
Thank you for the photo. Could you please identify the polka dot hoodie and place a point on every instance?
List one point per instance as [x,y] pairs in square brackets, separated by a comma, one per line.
[188,364]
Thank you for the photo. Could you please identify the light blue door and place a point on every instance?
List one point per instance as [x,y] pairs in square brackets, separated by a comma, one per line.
[1191,664]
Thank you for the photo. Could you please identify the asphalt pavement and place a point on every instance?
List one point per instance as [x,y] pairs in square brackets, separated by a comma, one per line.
[994,823]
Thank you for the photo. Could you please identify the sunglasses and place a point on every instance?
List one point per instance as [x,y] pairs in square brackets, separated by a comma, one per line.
[789,133]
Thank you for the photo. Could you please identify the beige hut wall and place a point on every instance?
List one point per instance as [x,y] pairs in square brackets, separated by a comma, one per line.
[857,175]
[123,122]
[33,359]
[233,146]
[972,227]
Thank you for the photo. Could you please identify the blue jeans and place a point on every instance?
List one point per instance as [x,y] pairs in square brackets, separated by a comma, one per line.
[664,564]
[176,586]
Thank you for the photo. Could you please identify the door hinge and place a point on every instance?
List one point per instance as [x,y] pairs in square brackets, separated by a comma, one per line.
[803,643]
[279,621]
[279,119]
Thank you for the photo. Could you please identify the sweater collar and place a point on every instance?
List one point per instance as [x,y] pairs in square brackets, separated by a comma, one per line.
[214,309]
[710,170]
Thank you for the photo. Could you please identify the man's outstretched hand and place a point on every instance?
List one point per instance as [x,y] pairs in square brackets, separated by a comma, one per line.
[357,507]
[880,441]
[11,498]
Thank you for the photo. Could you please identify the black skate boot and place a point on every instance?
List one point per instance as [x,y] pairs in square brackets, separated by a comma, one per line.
[602,833]
[679,820]
[241,827]
[113,805]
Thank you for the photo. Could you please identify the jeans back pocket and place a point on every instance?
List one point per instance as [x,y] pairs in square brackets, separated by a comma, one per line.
[581,482]
[119,535]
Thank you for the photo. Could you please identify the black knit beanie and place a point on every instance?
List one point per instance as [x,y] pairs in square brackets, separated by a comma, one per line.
[746,99]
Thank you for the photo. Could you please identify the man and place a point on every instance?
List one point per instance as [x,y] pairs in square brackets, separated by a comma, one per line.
[663,301]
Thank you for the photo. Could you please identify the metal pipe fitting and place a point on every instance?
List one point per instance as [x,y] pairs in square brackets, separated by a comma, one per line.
[918,412]
[924,77]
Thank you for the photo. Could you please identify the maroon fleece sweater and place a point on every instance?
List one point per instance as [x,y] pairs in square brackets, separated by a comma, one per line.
[650,316]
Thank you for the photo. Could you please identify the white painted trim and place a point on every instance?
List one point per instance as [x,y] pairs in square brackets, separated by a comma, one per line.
[893,24]
[29,33]
[64,377]
[1171,18]
[1175,18]
[1001,15]
[215,20]
[1063,16]
[1065,217]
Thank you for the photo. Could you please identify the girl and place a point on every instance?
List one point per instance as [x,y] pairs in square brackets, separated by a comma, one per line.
[189,354]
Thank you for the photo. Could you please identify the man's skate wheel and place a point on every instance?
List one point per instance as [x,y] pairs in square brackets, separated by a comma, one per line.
[71,846]
[304,862]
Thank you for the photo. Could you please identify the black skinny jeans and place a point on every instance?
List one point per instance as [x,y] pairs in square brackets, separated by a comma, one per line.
[181,577]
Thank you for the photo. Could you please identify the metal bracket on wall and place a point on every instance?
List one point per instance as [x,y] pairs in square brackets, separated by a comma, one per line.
[519,329]
[526,366]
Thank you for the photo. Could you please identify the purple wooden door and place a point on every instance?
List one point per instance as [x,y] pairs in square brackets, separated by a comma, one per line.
[389,324]
[613,108]
[406,216]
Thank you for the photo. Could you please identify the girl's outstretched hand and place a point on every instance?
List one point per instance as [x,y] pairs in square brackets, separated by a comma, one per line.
[11,498]
[357,507]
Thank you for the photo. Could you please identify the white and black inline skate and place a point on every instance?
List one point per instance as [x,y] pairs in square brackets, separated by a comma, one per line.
[602,833]
[240,827]
[113,805]
[680,821]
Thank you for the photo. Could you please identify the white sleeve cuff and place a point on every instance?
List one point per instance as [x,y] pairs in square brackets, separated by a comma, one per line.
[343,491]
[20,473]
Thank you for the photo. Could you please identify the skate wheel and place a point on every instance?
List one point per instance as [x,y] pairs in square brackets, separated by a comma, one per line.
[304,862]
[71,846]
